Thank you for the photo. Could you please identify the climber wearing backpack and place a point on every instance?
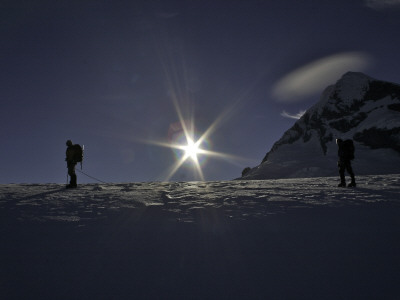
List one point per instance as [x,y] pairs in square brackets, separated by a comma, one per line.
[346,154]
[74,154]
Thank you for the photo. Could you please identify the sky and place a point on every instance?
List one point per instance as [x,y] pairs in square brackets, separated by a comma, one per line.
[134,81]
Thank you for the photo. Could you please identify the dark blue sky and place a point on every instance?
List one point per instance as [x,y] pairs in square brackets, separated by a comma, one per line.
[106,74]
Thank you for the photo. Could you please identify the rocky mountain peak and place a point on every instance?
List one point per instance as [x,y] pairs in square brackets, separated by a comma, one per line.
[357,107]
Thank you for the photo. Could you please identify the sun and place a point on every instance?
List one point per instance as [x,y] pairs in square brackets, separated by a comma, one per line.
[192,149]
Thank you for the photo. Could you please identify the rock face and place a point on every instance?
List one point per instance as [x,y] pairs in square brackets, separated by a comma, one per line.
[357,107]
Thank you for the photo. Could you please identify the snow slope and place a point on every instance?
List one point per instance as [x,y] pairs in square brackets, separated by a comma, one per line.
[356,107]
[181,201]
[272,239]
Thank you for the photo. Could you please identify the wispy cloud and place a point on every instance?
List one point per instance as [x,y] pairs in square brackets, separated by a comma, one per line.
[317,75]
[293,116]
[382,4]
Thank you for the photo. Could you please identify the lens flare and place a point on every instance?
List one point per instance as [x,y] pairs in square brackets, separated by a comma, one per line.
[190,147]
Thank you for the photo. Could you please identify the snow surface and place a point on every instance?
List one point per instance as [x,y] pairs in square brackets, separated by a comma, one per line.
[274,239]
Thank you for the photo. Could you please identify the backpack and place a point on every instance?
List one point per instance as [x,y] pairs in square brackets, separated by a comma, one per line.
[75,153]
[78,153]
[348,149]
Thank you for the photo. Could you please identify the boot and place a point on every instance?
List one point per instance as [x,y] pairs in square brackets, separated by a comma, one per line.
[352,184]
[342,179]
[72,183]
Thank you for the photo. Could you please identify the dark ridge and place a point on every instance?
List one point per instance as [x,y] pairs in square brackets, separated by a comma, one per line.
[380,89]
[380,138]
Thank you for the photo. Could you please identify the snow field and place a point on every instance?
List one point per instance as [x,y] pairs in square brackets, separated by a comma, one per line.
[273,239]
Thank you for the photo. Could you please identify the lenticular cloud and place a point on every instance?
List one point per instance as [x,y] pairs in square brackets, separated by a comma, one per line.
[381,4]
[315,76]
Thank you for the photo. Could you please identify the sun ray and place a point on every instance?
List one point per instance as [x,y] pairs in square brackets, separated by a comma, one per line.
[191,150]
[175,168]
[194,148]
[199,170]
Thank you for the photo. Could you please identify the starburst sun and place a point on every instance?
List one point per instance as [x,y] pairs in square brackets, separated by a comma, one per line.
[192,149]
[189,146]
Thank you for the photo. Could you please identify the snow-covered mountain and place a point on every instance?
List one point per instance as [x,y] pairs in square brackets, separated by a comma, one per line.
[357,107]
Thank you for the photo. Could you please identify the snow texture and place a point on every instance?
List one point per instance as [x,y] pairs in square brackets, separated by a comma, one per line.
[272,239]
[357,107]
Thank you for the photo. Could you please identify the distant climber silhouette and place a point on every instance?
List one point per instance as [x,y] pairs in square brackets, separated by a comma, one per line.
[71,158]
[346,154]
